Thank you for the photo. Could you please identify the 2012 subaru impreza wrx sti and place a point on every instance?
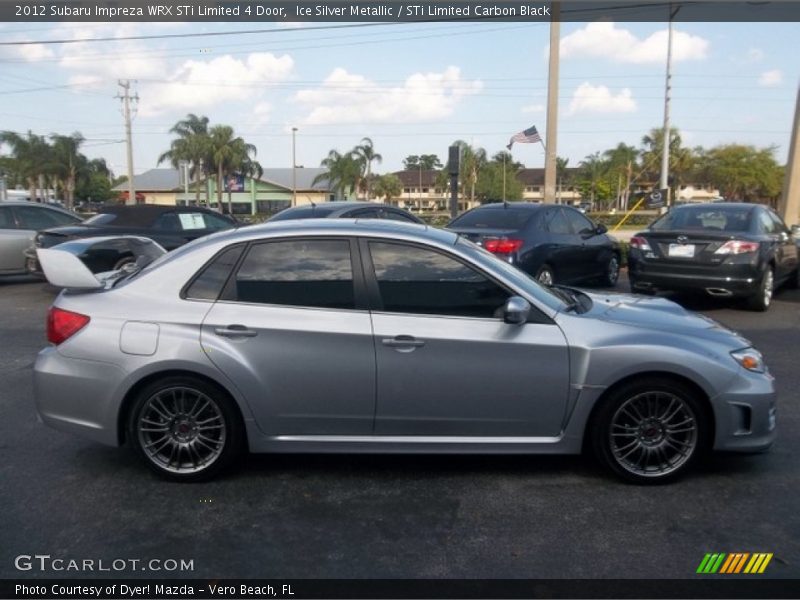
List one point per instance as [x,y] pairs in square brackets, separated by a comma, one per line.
[377,336]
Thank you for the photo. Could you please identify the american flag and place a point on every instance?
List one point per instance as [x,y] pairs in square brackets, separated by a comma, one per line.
[529,136]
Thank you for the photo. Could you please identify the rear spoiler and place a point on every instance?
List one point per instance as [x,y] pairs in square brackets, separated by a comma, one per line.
[63,265]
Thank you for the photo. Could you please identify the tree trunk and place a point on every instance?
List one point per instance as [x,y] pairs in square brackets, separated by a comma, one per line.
[32,188]
[197,186]
[219,187]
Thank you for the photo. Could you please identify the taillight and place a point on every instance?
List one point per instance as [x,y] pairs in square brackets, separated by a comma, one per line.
[504,246]
[63,324]
[640,243]
[737,247]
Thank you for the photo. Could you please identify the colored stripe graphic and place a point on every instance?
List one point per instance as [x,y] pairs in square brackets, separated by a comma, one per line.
[731,560]
[703,563]
[740,564]
[734,563]
[717,564]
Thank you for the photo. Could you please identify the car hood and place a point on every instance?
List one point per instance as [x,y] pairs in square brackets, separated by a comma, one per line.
[662,315]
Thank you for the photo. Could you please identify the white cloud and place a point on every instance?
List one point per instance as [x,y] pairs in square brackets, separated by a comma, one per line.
[200,84]
[533,108]
[599,99]
[34,52]
[604,40]
[346,97]
[771,78]
[261,113]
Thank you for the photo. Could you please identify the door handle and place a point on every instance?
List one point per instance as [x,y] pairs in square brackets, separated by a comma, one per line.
[232,331]
[403,343]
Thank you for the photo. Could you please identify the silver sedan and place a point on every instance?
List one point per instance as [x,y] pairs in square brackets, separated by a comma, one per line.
[376,336]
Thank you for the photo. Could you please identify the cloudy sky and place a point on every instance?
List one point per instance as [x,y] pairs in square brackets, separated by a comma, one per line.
[412,88]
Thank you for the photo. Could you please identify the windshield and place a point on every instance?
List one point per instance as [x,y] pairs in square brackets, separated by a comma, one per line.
[548,296]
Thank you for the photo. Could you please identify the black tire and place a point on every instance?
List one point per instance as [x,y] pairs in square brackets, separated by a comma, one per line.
[620,442]
[220,418]
[611,275]
[545,275]
[761,300]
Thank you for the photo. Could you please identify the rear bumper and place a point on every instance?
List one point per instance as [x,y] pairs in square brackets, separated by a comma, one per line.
[77,396]
[746,415]
[743,280]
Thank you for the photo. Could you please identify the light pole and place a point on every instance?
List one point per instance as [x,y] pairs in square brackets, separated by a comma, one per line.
[664,183]
[551,152]
[294,167]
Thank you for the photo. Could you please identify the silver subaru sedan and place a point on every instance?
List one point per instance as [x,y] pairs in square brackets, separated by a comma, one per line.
[379,336]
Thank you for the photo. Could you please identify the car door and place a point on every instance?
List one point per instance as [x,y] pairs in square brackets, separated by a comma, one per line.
[13,242]
[291,333]
[564,246]
[595,249]
[447,363]
[31,219]
[787,248]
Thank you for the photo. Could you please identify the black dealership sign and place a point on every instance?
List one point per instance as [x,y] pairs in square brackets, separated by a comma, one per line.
[656,198]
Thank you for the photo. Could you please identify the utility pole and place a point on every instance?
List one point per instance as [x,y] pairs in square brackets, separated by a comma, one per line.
[126,98]
[552,107]
[790,199]
[664,184]
[294,167]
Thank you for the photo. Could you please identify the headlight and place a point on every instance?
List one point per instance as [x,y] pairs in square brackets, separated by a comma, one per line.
[750,359]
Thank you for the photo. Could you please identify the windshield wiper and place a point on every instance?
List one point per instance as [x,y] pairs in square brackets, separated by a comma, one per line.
[567,296]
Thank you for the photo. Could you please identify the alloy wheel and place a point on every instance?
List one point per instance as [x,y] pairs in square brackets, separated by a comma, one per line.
[653,434]
[181,430]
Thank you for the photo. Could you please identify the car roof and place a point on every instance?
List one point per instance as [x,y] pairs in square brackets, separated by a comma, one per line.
[45,205]
[145,215]
[706,205]
[339,206]
[321,227]
[516,205]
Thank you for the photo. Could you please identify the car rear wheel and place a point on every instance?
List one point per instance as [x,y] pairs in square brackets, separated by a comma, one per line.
[545,275]
[761,300]
[650,430]
[185,429]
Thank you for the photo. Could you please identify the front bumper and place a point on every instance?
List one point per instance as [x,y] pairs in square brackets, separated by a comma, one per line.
[78,396]
[745,415]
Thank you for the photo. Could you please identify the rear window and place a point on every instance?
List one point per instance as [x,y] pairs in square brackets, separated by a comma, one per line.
[729,219]
[310,212]
[494,218]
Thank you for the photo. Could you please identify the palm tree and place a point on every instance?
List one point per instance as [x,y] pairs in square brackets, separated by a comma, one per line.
[30,158]
[472,161]
[342,172]
[229,154]
[192,145]
[67,161]
[561,173]
[621,161]
[365,154]
[593,167]
[681,159]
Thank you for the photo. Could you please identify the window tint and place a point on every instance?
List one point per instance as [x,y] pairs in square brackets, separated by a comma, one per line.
[730,218]
[209,283]
[780,226]
[32,217]
[765,223]
[419,281]
[101,219]
[6,218]
[316,273]
[362,213]
[394,215]
[557,222]
[306,212]
[494,218]
[578,222]
[216,222]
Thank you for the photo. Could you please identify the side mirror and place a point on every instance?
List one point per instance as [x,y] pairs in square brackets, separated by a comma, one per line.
[601,229]
[516,310]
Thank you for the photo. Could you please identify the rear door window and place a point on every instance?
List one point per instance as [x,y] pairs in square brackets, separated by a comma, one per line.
[306,273]
[6,218]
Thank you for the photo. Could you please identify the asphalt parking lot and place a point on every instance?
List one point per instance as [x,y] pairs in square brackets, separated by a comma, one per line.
[390,516]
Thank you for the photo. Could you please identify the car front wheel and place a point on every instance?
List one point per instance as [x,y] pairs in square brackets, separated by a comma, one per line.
[185,429]
[612,271]
[650,430]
